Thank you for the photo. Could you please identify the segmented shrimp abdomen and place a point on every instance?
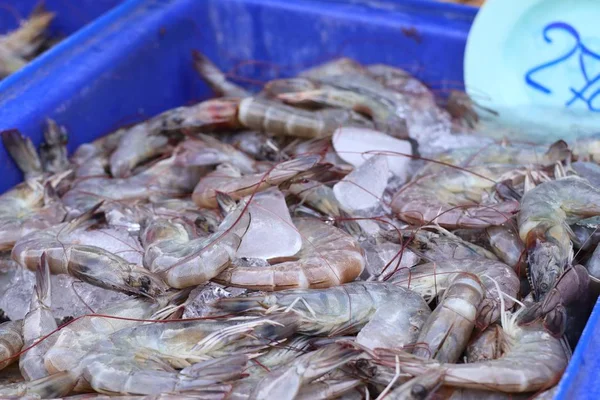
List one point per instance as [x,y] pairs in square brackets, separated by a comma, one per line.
[11,342]
[329,257]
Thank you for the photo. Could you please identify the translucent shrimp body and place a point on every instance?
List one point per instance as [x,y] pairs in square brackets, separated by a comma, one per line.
[543,221]
[328,257]
[533,360]
[453,199]
[11,342]
[371,308]
[432,278]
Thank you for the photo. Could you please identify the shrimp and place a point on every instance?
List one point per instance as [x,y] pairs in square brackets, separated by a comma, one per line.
[23,153]
[52,386]
[215,78]
[279,355]
[116,374]
[38,323]
[453,199]
[163,180]
[420,387]
[524,347]
[205,150]
[543,222]
[11,342]
[27,39]
[91,264]
[514,154]
[279,119]
[178,344]
[26,208]
[485,346]
[53,151]
[328,257]
[182,261]
[356,93]
[74,340]
[370,308]
[447,330]
[567,290]
[432,278]
[508,246]
[324,389]
[138,144]
[439,246]
[287,381]
[228,179]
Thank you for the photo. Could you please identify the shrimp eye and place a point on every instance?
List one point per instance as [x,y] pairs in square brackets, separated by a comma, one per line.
[418,391]
[544,286]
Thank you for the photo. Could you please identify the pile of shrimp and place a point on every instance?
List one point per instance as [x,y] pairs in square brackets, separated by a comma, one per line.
[309,241]
[23,44]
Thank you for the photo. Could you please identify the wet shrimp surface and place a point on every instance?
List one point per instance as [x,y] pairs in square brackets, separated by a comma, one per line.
[338,234]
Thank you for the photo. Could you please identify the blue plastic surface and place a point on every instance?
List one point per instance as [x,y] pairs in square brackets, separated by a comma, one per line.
[135,62]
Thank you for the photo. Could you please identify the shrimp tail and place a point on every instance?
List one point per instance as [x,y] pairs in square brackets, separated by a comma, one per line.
[53,151]
[225,202]
[222,369]
[215,78]
[42,280]
[22,151]
[558,151]
[56,385]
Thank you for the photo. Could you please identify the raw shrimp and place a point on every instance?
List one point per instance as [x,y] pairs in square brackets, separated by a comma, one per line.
[279,355]
[139,143]
[215,78]
[432,278]
[180,344]
[163,180]
[52,386]
[11,342]
[38,323]
[533,360]
[543,221]
[571,286]
[356,93]
[26,208]
[53,151]
[370,308]
[279,119]
[205,150]
[115,374]
[324,389]
[91,264]
[228,179]
[287,381]
[508,246]
[26,40]
[418,388]
[23,153]
[487,345]
[328,257]
[74,340]
[447,330]
[453,199]
[182,261]
[316,195]
[439,246]
[19,45]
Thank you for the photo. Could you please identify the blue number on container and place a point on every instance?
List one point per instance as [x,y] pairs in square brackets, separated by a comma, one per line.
[582,51]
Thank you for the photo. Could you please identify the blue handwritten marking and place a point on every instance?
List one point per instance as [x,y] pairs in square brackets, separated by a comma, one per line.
[583,52]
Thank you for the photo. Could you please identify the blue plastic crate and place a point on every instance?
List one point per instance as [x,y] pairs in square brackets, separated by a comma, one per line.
[135,62]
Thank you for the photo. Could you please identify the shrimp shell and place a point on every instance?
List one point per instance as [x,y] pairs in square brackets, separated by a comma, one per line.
[328,257]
